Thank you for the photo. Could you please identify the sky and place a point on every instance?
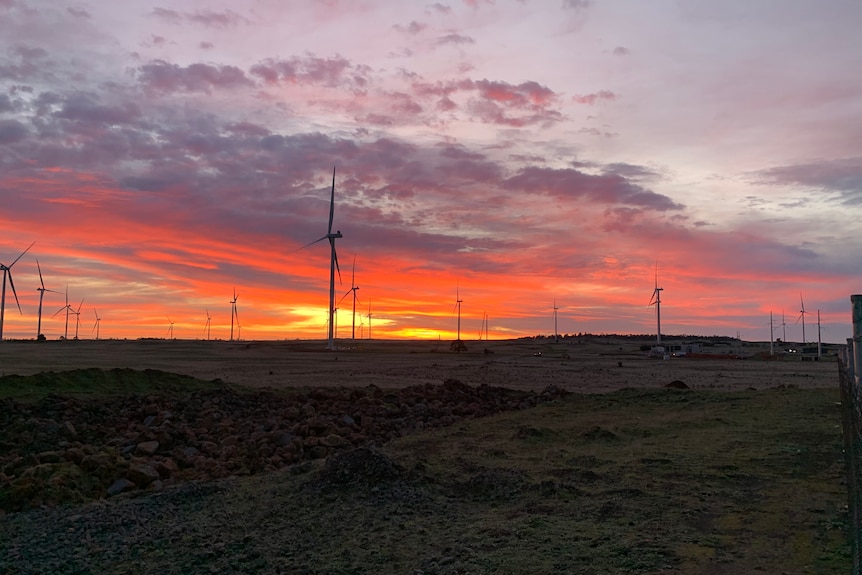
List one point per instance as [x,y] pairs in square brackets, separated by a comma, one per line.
[517,155]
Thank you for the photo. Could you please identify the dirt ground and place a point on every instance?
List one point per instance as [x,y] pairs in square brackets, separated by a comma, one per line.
[594,365]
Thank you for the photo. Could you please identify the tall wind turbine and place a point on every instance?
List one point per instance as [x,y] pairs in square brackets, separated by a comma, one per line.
[353,288]
[802,313]
[7,271]
[333,261]
[98,321]
[369,319]
[170,327]
[232,312]
[208,325]
[656,299]
[41,291]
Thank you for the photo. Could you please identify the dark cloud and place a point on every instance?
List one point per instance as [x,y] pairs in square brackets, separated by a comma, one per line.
[160,76]
[413,28]
[5,103]
[12,131]
[592,98]
[621,51]
[454,38]
[576,4]
[309,70]
[631,172]
[605,189]
[78,13]
[207,18]
[84,107]
[843,177]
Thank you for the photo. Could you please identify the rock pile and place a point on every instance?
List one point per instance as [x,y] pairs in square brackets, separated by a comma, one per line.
[64,449]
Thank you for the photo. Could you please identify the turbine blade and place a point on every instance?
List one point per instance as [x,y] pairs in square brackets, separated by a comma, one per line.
[79,306]
[41,281]
[331,203]
[22,254]
[335,257]
[347,293]
[12,284]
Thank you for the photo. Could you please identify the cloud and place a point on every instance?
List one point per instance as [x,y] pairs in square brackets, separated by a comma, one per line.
[605,189]
[12,131]
[842,176]
[413,28]
[621,51]
[309,70]
[592,98]
[207,18]
[160,76]
[576,4]
[454,38]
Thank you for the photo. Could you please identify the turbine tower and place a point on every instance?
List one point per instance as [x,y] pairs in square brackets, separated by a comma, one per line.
[7,271]
[369,319]
[41,291]
[170,327]
[208,325]
[333,262]
[656,299]
[232,312]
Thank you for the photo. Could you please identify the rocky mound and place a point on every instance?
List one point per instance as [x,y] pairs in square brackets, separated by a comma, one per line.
[70,450]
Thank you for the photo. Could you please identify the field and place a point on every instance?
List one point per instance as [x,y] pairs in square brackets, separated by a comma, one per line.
[742,472]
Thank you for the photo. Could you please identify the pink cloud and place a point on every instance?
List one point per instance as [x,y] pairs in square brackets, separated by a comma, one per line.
[308,70]
[595,96]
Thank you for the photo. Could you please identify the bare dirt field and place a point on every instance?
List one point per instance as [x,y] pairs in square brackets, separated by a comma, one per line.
[595,365]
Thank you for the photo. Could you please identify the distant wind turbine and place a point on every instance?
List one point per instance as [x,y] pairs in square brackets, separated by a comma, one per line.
[656,299]
[369,319]
[41,291]
[556,333]
[77,313]
[353,288]
[233,315]
[7,272]
[208,325]
[170,327]
[67,308]
[98,321]
[458,302]
[333,262]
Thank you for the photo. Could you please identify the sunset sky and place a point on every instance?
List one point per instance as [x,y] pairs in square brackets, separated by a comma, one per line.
[517,152]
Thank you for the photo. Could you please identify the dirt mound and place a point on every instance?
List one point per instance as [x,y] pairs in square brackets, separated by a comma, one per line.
[68,450]
[676,384]
[362,465]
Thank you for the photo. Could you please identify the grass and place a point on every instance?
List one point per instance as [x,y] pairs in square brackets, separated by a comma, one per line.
[656,481]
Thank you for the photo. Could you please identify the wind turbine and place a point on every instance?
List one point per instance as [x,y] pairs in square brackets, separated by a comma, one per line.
[656,299]
[369,319]
[77,313]
[98,321]
[7,271]
[333,261]
[66,307]
[556,336]
[208,325]
[41,291]
[353,288]
[458,302]
[233,312]
[170,328]
[802,313]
